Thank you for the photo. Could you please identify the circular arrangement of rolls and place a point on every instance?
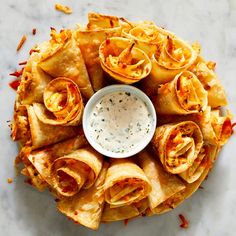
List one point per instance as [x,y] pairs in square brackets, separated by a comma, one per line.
[63,73]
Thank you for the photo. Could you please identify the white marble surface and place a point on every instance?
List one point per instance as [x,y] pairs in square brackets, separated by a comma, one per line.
[211,211]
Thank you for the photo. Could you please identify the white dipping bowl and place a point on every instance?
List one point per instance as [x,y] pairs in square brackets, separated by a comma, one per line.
[96,98]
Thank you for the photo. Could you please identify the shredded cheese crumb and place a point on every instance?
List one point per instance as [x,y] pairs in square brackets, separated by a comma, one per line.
[9,180]
[65,9]
[184,223]
[22,41]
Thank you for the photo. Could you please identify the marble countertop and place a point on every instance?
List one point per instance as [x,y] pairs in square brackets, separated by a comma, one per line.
[212,210]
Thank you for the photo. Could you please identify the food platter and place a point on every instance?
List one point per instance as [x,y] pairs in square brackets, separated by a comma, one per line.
[160,124]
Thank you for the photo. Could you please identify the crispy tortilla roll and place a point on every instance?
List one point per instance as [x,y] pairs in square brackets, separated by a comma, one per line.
[183,95]
[178,145]
[89,38]
[205,73]
[169,60]
[148,36]
[123,61]
[125,183]
[33,81]
[76,170]
[86,207]
[191,188]
[63,58]
[30,131]
[164,185]
[43,158]
[63,103]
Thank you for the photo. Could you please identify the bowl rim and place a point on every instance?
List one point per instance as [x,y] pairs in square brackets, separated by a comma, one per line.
[93,101]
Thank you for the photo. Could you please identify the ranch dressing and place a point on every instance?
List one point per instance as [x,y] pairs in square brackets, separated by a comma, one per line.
[119,122]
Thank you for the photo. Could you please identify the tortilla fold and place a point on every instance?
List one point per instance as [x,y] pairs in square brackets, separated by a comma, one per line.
[30,131]
[63,103]
[125,183]
[64,59]
[89,38]
[183,95]
[178,145]
[86,207]
[123,61]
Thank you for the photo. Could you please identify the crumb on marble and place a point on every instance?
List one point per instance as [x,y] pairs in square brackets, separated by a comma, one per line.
[62,8]
[9,180]
[22,41]
[184,223]
[34,31]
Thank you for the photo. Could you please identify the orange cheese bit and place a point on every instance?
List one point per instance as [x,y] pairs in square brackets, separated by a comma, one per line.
[64,9]
[9,180]
[22,41]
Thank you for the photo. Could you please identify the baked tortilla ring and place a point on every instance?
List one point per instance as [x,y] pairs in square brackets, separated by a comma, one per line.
[125,183]
[76,170]
[173,57]
[63,58]
[183,95]
[123,61]
[178,145]
[63,103]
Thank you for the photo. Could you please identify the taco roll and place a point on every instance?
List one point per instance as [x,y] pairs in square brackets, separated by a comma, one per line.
[147,35]
[183,95]
[178,145]
[123,61]
[125,183]
[205,73]
[86,207]
[30,131]
[164,185]
[99,28]
[191,188]
[63,103]
[63,58]
[169,60]
[76,170]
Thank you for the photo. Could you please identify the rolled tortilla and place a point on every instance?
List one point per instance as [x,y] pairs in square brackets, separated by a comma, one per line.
[178,145]
[205,73]
[125,183]
[63,58]
[30,131]
[169,60]
[77,170]
[33,81]
[183,95]
[164,185]
[123,61]
[86,207]
[147,35]
[63,103]
[89,38]
[191,188]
